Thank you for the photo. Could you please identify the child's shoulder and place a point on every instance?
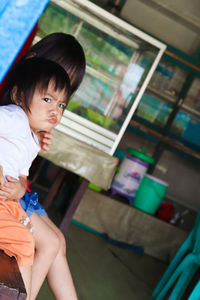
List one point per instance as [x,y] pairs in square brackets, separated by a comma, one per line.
[12,110]
[12,114]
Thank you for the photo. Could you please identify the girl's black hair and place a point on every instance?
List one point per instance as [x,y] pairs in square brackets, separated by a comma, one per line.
[32,73]
[66,51]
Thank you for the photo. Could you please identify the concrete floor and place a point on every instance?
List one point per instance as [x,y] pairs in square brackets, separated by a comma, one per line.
[102,271]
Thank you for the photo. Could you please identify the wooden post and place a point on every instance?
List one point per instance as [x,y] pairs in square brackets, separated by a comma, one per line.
[73,206]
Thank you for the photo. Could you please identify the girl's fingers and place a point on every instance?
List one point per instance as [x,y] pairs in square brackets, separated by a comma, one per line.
[46,141]
[4,195]
[5,188]
[11,179]
[47,135]
[2,181]
[44,148]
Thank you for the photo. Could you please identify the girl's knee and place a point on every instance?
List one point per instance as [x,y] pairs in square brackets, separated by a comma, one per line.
[48,244]
[53,243]
[62,242]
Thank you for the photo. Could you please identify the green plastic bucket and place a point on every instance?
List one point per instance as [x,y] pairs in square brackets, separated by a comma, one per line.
[150,193]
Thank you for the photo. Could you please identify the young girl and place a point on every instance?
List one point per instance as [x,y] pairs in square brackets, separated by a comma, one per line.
[50,261]
[35,103]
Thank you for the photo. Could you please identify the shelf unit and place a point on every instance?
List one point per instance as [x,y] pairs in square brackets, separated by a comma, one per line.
[120,63]
[87,121]
[179,110]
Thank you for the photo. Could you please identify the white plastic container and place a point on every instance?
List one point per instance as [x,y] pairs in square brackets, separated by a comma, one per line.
[131,172]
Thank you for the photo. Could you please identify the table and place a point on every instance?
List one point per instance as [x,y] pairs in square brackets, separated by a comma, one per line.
[92,164]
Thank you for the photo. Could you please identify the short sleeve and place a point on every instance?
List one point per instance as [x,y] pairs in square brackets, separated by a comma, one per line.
[24,172]
[4,122]
[12,120]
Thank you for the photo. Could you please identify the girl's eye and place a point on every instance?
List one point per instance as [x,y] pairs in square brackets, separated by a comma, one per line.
[47,100]
[61,105]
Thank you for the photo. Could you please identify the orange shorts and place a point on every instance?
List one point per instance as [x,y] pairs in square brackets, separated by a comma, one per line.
[15,238]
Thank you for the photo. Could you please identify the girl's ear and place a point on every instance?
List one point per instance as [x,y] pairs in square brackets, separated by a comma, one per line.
[14,96]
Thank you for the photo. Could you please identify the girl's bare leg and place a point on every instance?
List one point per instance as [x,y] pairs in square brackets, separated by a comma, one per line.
[26,276]
[59,277]
[47,246]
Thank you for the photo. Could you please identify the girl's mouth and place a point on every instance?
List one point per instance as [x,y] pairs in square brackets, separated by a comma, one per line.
[53,120]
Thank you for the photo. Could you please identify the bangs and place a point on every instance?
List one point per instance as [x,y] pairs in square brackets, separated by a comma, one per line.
[32,73]
[58,84]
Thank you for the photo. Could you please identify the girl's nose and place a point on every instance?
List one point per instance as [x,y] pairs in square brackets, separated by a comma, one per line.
[54,109]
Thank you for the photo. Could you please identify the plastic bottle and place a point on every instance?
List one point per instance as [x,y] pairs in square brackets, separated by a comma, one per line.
[132,169]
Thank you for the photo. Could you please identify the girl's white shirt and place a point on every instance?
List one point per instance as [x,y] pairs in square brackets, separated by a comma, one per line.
[18,145]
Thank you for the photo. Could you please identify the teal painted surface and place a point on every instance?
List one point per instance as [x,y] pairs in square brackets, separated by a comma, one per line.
[85,227]
[17,18]
[182,268]
[195,295]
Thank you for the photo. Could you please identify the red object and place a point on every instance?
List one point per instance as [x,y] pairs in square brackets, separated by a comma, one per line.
[23,50]
[28,186]
[165,211]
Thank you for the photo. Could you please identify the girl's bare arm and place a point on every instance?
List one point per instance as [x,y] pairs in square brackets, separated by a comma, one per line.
[13,189]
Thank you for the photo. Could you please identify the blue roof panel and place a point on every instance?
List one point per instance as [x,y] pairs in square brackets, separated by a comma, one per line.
[17,19]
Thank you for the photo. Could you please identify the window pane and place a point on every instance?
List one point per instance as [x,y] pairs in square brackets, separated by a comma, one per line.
[168,79]
[56,19]
[153,110]
[117,65]
[192,99]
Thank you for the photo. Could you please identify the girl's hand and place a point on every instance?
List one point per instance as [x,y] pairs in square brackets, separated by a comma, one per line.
[2,179]
[13,189]
[45,139]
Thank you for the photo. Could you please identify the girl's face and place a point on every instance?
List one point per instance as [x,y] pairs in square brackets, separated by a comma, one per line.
[46,108]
